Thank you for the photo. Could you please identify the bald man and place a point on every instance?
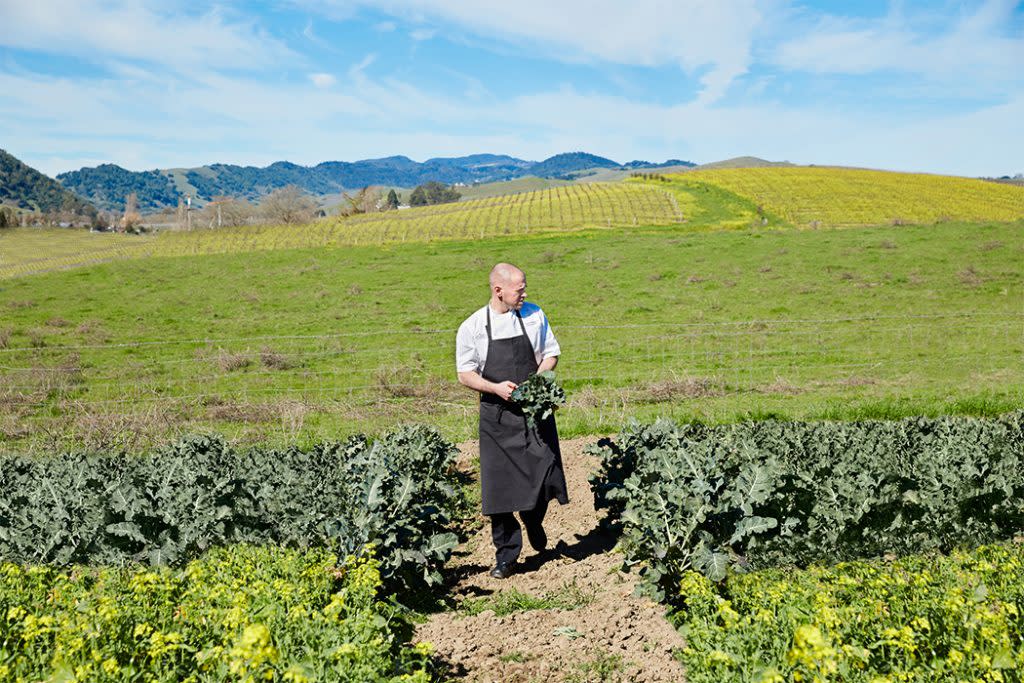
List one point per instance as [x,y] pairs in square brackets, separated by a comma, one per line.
[496,349]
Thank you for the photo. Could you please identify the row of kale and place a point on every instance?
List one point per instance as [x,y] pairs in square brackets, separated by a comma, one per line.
[684,496]
[401,494]
[734,498]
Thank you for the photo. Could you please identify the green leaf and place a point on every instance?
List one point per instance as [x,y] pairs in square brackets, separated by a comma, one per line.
[711,564]
[127,530]
[749,526]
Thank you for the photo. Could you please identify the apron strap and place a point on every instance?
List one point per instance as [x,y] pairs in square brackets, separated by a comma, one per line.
[522,326]
[519,317]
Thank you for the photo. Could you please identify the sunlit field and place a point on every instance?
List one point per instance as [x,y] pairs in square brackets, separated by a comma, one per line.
[557,209]
[813,196]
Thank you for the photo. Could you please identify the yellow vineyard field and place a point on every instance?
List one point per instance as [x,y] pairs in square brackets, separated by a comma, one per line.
[28,251]
[846,196]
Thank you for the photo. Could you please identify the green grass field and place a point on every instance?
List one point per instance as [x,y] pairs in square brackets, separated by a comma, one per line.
[316,343]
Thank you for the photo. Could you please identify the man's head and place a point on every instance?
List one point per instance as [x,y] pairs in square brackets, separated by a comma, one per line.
[508,286]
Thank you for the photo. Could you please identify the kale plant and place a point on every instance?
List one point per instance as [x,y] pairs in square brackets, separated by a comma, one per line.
[538,397]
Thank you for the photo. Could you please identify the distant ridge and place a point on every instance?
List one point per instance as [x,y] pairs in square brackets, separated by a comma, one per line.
[742,162]
[108,184]
[562,165]
[24,187]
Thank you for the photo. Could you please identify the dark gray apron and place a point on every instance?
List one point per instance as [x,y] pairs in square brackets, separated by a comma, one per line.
[518,465]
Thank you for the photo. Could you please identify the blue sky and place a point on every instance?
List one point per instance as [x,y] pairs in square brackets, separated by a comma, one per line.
[936,86]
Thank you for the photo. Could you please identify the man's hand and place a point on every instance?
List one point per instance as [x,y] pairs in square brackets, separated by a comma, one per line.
[474,381]
[505,389]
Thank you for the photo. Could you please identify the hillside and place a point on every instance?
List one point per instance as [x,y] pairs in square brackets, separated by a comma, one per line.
[498,188]
[742,162]
[24,187]
[108,184]
[564,207]
[820,196]
[563,165]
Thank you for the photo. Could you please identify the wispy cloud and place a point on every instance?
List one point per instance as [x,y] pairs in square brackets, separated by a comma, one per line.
[93,30]
[358,70]
[698,80]
[422,34]
[979,48]
[710,37]
[322,80]
[215,119]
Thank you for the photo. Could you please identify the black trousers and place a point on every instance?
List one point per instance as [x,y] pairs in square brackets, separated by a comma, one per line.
[508,536]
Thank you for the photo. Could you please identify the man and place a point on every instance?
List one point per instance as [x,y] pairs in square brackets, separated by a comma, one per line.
[496,349]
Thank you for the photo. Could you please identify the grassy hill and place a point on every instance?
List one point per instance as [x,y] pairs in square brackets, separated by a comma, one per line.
[844,196]
[742,162]
[505,187]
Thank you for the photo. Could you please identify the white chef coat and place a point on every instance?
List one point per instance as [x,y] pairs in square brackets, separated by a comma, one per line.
[471,339]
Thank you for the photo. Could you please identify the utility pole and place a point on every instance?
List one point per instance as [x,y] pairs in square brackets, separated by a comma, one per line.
[188,210]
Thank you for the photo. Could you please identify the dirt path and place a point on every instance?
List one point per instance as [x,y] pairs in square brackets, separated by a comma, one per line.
[604,634]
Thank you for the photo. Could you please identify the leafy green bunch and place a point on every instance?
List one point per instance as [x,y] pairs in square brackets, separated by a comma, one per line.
[538,397]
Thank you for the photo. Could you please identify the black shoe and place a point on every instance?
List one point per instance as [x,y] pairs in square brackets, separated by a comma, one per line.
[502,570]
[538,539]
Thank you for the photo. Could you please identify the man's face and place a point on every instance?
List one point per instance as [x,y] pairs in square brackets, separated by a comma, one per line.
[513,293]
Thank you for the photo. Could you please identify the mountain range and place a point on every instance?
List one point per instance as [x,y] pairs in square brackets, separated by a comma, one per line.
[107,185]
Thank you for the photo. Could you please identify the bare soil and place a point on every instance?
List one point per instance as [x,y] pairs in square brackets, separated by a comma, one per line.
[610,636]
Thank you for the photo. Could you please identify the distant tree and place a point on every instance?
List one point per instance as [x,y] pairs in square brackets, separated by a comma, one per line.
[8,219]
[181,214]
[238,211]
[392,200]
[439,193]
[418,197]
[366,200]
[109,219]
[288,205]
[132,219]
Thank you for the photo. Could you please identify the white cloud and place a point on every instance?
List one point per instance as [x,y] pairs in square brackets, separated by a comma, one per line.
[712,37]
[98,30]
[975,51]
[357,72]
[385,26]
[244,121]
[422,34]
[143,115]
[322,80]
